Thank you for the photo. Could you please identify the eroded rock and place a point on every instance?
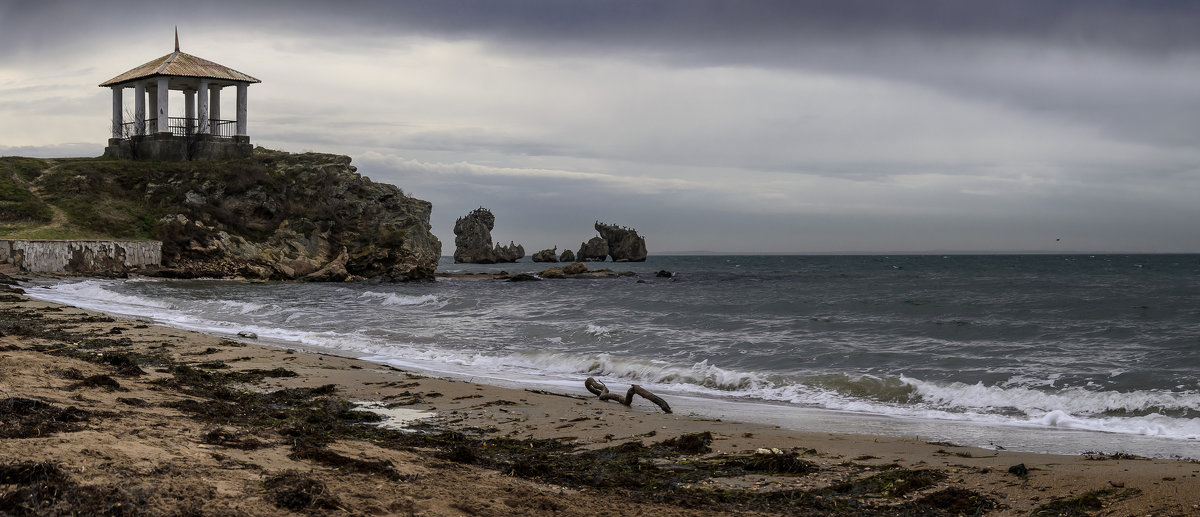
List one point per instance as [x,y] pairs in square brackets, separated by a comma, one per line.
[550,255]
[624,244]
[473,240]
[594,250]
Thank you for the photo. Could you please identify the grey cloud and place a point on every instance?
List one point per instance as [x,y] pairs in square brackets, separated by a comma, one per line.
[1062,70]
[685,26]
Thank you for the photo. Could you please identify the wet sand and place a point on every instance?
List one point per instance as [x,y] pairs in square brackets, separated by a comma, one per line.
[97,412]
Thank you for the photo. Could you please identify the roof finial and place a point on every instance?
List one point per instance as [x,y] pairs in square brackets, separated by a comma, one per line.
[176,38]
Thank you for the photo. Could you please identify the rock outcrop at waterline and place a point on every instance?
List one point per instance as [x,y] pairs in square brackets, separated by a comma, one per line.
[273,215]
[549,255]
[473,240]
[298,216]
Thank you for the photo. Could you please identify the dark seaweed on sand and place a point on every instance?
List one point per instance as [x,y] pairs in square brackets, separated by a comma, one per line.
[298,491]
[672,471]
[28,418]
[29,488]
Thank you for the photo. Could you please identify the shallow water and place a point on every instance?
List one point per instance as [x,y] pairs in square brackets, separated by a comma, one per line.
[967,348]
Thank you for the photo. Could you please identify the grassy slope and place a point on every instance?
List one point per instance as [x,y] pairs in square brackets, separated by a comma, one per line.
[98,198]
[21,211]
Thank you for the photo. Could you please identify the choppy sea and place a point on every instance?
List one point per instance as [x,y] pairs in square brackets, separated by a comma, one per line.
[1046,353]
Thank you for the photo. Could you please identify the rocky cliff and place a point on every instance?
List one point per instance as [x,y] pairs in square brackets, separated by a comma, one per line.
[473,240]
[273,215]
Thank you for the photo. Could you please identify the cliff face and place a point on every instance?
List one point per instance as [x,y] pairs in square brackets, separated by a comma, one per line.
[307,216]
[274,215]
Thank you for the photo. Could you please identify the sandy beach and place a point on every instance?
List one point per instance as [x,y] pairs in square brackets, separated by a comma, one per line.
[109,416]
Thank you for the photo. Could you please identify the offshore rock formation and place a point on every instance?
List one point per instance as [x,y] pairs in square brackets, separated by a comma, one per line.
[567,256]
[473,240]
[624,244]
[511,253]
[594,250]
[288,216]
[550,255]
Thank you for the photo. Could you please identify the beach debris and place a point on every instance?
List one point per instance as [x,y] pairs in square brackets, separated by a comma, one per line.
[959,501]
[1085,503]
[773,462]
[690,443]
[235,439]
[247,334]
[1117,484]
[315,450]
[295,490]
[98,381]
[891,483]
[27,418]
[599,389]
[1019,470]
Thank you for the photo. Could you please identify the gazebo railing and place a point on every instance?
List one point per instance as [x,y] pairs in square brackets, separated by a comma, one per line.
[183,126]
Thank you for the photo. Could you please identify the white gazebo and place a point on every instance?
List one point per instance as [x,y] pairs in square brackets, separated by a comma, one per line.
[200,133]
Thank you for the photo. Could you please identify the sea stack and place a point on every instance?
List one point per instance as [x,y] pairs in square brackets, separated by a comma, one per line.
[550,255]
[624,244]
[594,250]
[473,240]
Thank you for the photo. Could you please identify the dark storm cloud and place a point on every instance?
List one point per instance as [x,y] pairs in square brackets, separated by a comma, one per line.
[679,26]
[1098,58]
[846,125]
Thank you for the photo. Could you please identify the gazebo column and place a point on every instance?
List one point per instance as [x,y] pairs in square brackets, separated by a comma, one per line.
[241,109]
[189,112]
[118,119]
[214,107]
[139,109]
[163,89]
[151,109]
[202,115]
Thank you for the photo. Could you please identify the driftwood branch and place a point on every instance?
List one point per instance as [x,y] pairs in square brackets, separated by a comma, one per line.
[600,390]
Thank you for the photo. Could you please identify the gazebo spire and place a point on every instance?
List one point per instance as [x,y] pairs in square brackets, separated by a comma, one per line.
[176,38]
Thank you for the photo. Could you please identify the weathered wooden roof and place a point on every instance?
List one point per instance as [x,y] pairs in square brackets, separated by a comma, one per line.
[181,64]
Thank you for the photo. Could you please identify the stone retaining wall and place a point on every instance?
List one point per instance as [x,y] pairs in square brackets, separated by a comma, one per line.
[80,257]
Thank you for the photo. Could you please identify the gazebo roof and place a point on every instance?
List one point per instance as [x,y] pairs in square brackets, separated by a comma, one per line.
[181,64]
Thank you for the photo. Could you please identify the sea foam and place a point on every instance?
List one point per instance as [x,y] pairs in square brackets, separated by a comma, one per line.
[390,299]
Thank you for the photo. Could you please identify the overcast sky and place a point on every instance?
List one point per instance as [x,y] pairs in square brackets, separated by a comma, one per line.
[734,126]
